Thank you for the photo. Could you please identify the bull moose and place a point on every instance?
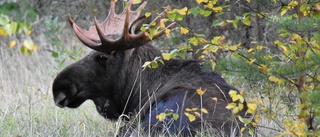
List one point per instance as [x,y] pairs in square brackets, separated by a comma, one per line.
[112,77]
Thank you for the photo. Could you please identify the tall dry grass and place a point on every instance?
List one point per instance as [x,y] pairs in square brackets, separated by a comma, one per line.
[26,101]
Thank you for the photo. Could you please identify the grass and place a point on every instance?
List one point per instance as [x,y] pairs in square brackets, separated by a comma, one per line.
[27,106]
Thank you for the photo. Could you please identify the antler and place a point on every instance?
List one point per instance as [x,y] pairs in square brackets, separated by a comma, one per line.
[99,36]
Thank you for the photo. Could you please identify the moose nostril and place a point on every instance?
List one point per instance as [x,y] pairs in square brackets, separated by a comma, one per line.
[60,100]
[61,103]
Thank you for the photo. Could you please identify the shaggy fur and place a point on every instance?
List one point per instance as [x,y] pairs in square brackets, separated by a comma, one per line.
[118,85]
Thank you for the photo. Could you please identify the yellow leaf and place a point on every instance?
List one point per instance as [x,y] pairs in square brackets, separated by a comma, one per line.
[264,68]
[28,44]
[34,47]
[246,21]
[283,10]
[29,32]
[234,98]
[200,1]
[136,1]
[233,93]
[231,106]
[184,30]
[147,14]
[3,32]
[201,57]
[194,109]
[285,50]
[233,48]
[250,62]
[257,118]
[191,117]
[242,129]
[183,11]
[260,47]
[240,106]
[241,93]
[254,124]
[203,110]
[13,43]
[240,97]
[229,21]
[295,37]
[162,25]
[250,50]
[318,77]
[217,9]
[292,4]
[264,108]
[200,91]
[161,116]
[224,24]
[188,109]
[197,114]
[317,6]
[274,79]
[167,32]
[287,132]
[235,110]
[251,107]
[215,98]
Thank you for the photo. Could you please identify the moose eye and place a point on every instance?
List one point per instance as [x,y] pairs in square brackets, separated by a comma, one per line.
[101,58]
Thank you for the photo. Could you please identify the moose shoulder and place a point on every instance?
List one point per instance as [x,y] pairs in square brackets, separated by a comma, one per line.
[112,77]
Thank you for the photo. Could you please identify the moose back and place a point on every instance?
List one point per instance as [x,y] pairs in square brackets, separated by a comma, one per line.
[111,76]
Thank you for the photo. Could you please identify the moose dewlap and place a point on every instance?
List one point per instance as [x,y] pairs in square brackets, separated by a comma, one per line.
[175,98]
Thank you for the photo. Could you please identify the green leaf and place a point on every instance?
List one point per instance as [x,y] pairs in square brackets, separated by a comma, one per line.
[235,23]
[154,64]
[182,55]
[23,50]
[171,16]
[206,13]
[195,11]
[245,121]
[216,23]
[179,17]
[194,41]
[246,21]
[55,20]
[4,20]
[54,54]
[14,27]
[284,9]
[175,116]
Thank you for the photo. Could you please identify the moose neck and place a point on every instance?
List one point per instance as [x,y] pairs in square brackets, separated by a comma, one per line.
[138,86]
[135,82]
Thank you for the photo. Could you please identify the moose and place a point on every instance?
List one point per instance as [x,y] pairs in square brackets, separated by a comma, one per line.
[112,77]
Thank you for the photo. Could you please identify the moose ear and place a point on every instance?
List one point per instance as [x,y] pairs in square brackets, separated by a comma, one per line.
[137,24]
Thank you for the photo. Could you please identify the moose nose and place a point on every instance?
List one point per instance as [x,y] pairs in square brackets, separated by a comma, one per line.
[62,88]
[60,100]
